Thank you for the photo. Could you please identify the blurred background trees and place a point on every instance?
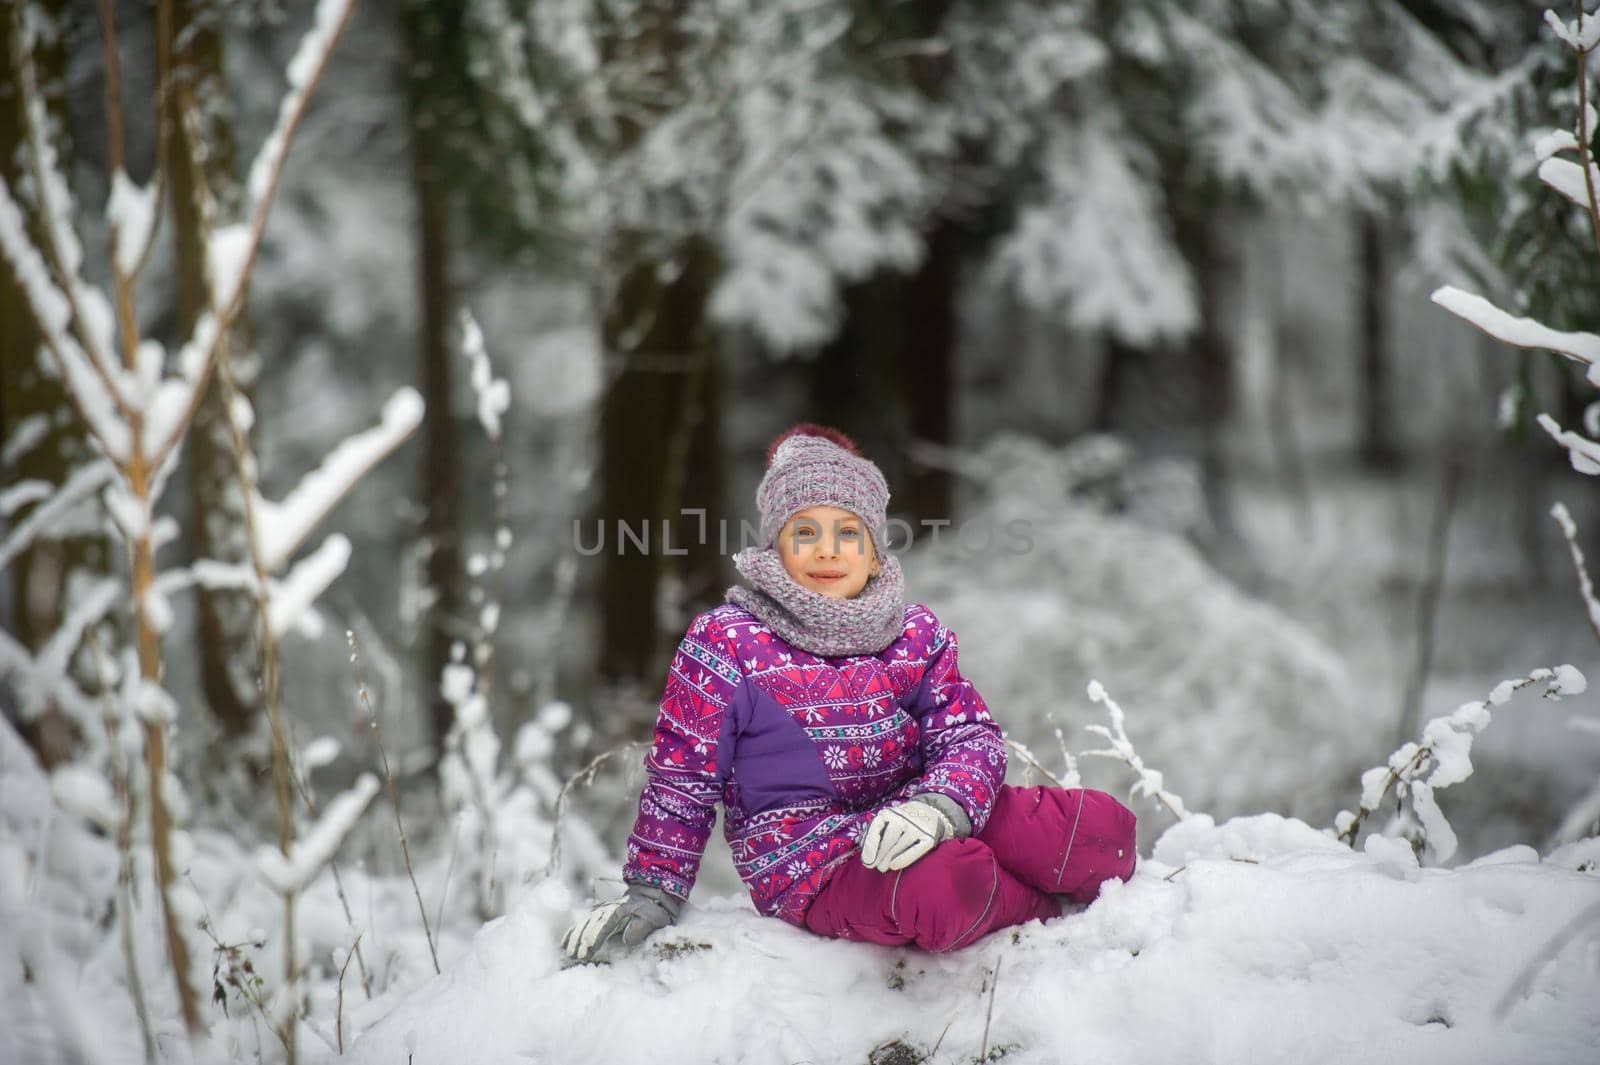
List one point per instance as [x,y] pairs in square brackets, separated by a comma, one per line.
[1201,230]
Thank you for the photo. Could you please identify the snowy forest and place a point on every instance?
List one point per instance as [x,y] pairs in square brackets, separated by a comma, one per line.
[385,384]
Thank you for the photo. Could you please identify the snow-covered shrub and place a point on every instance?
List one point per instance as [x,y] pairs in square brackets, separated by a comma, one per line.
[505,808]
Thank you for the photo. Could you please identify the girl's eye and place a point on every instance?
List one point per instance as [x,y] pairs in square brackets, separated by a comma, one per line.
[850,532]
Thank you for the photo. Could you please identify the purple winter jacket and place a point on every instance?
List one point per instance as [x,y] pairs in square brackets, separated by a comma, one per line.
[802,751]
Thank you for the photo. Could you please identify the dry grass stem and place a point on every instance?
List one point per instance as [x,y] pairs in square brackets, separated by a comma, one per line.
[583,777]
[394,795]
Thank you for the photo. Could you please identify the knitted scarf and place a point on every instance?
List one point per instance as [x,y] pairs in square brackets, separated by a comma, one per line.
[822,624]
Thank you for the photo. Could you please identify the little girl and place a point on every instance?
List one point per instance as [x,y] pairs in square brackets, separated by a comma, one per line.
[861,776]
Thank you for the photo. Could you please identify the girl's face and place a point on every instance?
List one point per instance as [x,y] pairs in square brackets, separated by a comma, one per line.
[828,550]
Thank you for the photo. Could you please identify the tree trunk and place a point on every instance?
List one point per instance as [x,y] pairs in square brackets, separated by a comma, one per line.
[216,510]
[1378,448]
[422,26]
[660,451]
[704,571]
[927,365]
[1201,241]
[852,376]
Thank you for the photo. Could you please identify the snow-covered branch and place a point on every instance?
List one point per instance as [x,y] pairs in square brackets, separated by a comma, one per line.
[292,873]
[231,250]
[282,527]
[289,603]
[1581,34]
[49,669]
[84,482]
[1569,532]
[88,308]
[1583,453]
[1566,177]
[494,394]
[1417,770]
[86,378]
[1150,781]
[1522,332]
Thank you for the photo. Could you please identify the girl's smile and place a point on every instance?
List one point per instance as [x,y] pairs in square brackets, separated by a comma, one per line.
[827,550]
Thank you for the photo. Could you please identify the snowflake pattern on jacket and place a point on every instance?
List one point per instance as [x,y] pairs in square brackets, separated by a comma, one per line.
[802,751]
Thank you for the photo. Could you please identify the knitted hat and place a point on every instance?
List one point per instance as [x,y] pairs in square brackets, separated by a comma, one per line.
[813,465]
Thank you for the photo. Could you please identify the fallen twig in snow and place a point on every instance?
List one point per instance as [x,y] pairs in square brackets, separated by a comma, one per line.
[994,981]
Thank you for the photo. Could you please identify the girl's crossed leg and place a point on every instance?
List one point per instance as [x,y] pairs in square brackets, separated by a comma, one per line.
[1038,842]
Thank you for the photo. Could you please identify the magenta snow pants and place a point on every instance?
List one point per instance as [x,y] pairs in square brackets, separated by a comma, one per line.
[1039,842]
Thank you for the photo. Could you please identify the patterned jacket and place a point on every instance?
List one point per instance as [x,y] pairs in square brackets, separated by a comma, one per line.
[802,751]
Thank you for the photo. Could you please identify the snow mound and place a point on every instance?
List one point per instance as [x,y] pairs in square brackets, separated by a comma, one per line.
[1307,952]
[1254,838]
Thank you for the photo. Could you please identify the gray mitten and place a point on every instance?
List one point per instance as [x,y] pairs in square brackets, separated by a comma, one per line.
[612,929]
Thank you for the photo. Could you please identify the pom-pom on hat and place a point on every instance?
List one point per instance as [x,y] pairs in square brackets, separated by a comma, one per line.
[812,465]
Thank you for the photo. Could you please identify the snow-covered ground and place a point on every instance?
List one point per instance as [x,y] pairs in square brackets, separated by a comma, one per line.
[1259,940]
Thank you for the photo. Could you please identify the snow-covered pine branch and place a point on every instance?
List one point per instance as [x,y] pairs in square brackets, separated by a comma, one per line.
[1416,770]
[1150,781]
